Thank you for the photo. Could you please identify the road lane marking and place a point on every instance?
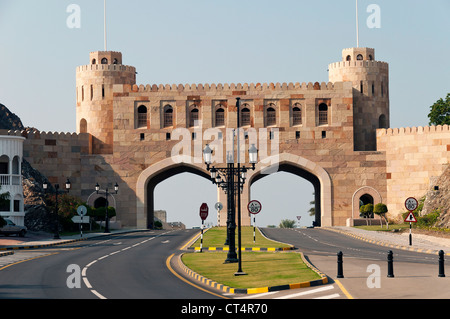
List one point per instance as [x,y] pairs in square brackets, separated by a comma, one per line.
[346,293]
[84,271]
[188,282]
[329,296]
[309,292]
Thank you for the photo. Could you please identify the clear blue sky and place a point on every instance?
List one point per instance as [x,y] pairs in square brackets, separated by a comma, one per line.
[210,41]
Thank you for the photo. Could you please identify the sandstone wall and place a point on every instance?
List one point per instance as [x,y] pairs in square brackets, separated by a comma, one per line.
[414,158]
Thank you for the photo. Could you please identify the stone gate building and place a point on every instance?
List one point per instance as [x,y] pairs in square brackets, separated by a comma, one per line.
[336,135]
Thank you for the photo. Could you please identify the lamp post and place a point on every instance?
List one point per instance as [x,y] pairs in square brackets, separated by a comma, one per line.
[45,187]
[231,179]
[116,190]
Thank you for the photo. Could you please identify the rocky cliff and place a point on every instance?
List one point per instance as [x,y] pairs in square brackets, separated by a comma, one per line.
[437,199]
[8,120]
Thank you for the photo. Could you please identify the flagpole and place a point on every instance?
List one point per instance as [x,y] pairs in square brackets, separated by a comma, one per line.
[357,25]
[104,22]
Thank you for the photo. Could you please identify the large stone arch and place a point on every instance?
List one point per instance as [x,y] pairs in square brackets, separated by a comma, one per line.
[151,177]
[304,168]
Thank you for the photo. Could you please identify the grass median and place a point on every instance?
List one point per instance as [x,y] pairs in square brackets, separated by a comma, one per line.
[263,269]
[216,237]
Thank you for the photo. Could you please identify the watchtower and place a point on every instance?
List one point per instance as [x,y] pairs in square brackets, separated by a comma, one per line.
[95,83]
[370,79]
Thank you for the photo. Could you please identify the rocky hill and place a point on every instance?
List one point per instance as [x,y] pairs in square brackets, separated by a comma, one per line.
[8,120]
[438,200]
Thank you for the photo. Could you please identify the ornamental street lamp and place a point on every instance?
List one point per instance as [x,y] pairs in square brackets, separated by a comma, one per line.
[57,191]
[232,179]
[107,193]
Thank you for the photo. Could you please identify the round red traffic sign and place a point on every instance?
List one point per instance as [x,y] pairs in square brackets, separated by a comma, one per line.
[254,207]
[411,204]
[204,211]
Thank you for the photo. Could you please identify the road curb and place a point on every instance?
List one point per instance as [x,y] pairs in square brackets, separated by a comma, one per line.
[65,241]
[322,281]
[385,244]
[255,249]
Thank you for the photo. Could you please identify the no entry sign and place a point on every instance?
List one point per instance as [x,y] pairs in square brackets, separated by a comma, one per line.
[204,211]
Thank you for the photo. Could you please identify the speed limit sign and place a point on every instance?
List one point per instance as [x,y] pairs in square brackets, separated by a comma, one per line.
[411,204]
[254,207]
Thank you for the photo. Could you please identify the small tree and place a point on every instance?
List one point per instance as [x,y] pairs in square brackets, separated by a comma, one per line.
[440,112]
[286,223]
[366,211]
[381,210]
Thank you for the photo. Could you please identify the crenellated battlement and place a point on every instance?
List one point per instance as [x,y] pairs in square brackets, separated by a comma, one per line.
[233,87]
[413,130]
[36,134]
[365,64]
[106,67]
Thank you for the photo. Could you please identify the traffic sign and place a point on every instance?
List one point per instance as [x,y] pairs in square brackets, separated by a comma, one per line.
[410,218]
[204,211]
[411,204]
[219,206]
[82,210]
[80,220]
[254,207]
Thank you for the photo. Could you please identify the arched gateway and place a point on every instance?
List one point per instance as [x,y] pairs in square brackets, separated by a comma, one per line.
[294,164]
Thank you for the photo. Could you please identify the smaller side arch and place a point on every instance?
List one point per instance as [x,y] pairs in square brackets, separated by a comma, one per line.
[365,190]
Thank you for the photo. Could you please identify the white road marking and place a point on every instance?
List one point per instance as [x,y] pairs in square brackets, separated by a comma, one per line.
[309,292]
[84,272]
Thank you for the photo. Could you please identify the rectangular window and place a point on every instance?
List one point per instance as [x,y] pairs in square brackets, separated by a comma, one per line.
[142,136]
[168,137]
[297,135]
[324,134]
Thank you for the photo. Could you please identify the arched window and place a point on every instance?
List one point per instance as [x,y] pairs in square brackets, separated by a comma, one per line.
[323,114]
[168,116]
[349,58]
[104,61]
[83,126]
[142,117]
[364,200]
[382,122]
[4,165]
[194,116]
[359,57]
[94,61]
[297,115]
[245,116]
[220,117]
[271,116]
[370,57]
[115,61]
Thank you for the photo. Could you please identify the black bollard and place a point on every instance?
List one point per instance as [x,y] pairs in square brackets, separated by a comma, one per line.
[441,264]
[390,264]
[340,272]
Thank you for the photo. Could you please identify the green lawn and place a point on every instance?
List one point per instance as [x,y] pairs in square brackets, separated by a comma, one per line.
[264,269]
[216,237]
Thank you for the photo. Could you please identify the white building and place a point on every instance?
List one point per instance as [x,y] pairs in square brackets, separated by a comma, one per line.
[11,154]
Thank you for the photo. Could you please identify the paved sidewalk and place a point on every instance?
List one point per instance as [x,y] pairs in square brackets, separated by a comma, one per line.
[420,242]
[40,241]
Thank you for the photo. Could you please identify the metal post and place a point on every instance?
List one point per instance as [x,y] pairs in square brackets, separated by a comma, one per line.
[410,234]
[240,272]
[441,264]
[231,223]
[106,216]
[390,264]
[56,213]
[340,272]
[201,240]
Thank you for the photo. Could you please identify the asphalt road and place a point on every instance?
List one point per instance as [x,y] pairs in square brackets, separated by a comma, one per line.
[127,266]
[365,266]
